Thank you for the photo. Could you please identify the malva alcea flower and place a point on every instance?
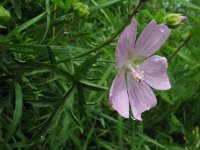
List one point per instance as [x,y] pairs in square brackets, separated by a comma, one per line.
[138,69]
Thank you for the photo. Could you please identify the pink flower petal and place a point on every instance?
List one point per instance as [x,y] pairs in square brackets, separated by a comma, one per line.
[151,39]
[141,97]
[155,72]
[119,96]
[126,43]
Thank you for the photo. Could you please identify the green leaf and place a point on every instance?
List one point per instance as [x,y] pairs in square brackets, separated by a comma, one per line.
[59,3]
[17,114]
[45,125]
[51,68]
[89,135]
[108,15]
[75,120]
[188,4]
[46,101]
[3,39]
[64,4]
[104,4]
[37,49]
[48,12]
[25,25]
[147,138]
[16,4]
[69,4]
[52,56]
[84,67]
[93,86]
[81,97]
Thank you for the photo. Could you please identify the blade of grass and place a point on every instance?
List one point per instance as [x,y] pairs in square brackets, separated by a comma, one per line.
[104,4]
[84,67]
[45,125]
[48,12]
[17,114]
[93,86]
[52,56]
[81,97]
[105,13]
[75,120]
[16,4]
[188,4]
[89,136]
[40,49]
[52,68]
[25,25]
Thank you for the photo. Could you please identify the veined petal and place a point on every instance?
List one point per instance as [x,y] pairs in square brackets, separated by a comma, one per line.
[151,39]
[119,96]
[125,44]
[141,97]
[155,72]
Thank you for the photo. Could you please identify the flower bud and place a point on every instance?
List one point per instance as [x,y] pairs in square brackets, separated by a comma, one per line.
[174,20]
[4,16]
[82,10]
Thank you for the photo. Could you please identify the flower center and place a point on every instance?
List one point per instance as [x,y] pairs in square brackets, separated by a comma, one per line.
[137,74]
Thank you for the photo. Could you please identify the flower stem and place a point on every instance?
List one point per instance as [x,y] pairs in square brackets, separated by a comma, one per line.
[180,47]
[108,41]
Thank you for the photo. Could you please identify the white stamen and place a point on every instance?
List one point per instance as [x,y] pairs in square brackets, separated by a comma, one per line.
[137,74]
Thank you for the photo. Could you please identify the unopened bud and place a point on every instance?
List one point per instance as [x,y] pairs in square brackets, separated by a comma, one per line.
[4,16]
[174,20]
[82,10]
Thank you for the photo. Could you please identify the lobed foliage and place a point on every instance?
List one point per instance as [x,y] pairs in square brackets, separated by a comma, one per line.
[55,76]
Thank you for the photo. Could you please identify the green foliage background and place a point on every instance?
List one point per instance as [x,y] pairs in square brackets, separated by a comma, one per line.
[54,84]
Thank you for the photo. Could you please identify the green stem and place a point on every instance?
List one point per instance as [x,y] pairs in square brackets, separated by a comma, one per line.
[180,47]
[136,10]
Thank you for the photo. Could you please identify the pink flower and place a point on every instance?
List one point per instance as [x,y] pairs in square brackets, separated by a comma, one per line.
[139,70]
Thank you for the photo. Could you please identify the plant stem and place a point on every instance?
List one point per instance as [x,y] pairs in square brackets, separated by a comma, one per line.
[180,47]
[136,10]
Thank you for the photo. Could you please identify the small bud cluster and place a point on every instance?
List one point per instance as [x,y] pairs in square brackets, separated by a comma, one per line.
[82,10]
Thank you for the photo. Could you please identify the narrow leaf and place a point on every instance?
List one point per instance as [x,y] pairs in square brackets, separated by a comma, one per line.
[17,114]
[25,25]
[75,120]
[52,56]
[84,67]
[16,4]
[93,86]
[188,4]
[48,12]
